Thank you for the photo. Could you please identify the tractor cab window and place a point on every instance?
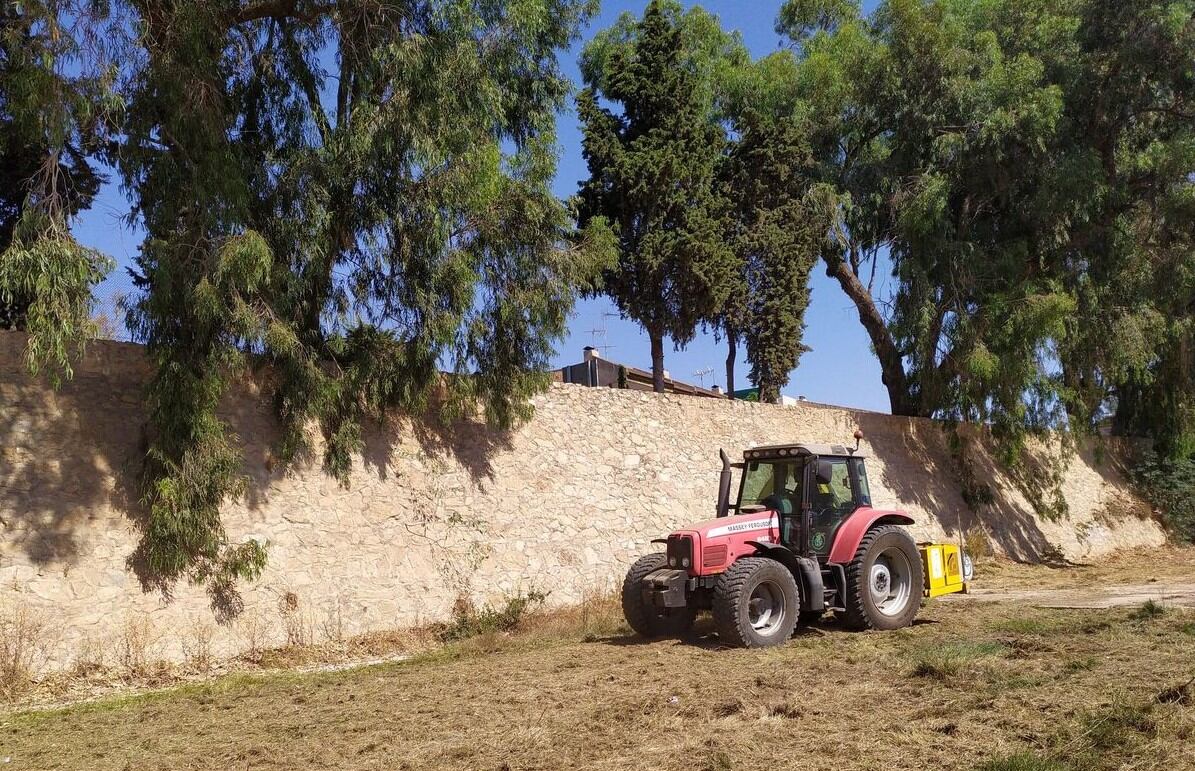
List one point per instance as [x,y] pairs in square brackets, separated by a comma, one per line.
[861,481]
[831,503]
[778,480]
[776,484]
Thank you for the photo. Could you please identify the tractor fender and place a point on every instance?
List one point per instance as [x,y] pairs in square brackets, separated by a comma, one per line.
[805,570]
[851,532]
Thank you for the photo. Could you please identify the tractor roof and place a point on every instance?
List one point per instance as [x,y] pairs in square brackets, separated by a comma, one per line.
[804,448]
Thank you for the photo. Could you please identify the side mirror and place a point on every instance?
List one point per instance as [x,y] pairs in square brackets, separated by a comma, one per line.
[824,472]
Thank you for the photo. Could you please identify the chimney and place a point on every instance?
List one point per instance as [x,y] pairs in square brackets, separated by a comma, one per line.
[591,353]
[716,389]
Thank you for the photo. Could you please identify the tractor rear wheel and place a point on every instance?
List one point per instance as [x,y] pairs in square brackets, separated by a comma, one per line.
[756,603]
[647,619]
[884,581]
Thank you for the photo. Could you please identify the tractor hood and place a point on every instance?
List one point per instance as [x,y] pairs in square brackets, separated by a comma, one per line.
[755,525]
[716,543]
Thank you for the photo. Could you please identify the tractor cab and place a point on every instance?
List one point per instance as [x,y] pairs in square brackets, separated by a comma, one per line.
[813,489]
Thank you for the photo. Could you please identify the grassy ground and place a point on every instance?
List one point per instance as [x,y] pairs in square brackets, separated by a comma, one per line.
[994,685]
[1161,565]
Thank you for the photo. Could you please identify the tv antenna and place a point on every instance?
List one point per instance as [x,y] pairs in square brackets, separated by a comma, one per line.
[701,373]
[598,333]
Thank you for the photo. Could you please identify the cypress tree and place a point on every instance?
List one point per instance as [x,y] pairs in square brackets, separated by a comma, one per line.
[653,168]
[777,232]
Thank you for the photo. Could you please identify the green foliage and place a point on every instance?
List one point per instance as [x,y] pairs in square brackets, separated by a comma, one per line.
[949,660]
[976,493]
[653,167]
[358,229]
[799,19]
[1169,485]
[358,195]
[1029,218]
[469,622]
[1121,726]
[50,276]
[1022,762]
[1148,610]
[776,231]
[54,105]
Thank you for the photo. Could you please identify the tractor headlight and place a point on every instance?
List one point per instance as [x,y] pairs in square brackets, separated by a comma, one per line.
[680,551]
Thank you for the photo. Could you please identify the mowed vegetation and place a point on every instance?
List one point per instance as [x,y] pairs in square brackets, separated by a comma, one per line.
[974,685]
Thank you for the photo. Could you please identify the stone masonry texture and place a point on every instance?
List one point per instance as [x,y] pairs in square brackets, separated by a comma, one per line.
[563,504]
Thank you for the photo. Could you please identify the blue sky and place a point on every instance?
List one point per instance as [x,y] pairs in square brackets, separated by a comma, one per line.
[841,369]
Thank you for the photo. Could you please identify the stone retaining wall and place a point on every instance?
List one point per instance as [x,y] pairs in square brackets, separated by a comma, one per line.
[562,504]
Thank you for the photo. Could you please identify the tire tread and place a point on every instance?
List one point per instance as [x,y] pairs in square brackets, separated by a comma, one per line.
[857,617]
[638,616]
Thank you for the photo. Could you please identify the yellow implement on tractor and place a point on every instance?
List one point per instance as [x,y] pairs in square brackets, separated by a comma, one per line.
[946,569]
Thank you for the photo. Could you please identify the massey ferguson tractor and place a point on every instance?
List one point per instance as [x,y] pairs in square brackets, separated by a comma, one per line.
[800,539]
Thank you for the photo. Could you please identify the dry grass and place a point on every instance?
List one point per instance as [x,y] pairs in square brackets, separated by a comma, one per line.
[986,685]
[22,637]
[1165,563]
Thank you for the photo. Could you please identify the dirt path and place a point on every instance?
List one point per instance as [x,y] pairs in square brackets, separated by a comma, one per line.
[1169,595]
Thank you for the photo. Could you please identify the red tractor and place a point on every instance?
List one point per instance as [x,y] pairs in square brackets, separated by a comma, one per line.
[801,539]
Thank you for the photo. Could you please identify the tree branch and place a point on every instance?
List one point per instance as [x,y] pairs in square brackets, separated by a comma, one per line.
[278,9]
[891,362]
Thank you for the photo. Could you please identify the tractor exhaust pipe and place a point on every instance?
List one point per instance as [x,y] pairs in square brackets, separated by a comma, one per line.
[724,485]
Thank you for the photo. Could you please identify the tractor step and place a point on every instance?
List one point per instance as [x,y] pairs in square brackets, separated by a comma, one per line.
[833,578]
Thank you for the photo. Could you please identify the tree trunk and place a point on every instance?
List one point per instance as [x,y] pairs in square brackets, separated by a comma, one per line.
[657,361]
[732,346]
[892,368]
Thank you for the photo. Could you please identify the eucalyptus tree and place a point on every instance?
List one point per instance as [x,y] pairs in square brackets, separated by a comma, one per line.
[357,193]
[933,141]
[56,102]
[653,144]
[1023,165]
[1130,256]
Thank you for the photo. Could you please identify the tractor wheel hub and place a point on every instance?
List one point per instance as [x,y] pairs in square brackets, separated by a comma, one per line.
[881,579]
[765,607]
[891,582]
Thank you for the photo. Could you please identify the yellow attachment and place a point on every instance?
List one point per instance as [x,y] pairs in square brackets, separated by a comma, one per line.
[943,566]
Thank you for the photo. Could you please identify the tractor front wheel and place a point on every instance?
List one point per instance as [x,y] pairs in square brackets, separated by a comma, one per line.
[884,580]
[647,619]
[756,603]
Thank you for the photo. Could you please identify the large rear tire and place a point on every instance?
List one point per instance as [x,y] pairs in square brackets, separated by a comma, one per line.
[756,603]
[646,619]
[884,581]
